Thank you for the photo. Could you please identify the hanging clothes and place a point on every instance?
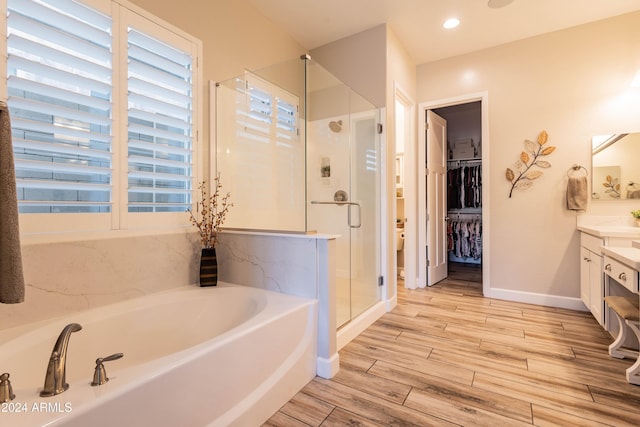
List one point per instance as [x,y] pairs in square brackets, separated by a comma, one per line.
[464,187]
[464,238]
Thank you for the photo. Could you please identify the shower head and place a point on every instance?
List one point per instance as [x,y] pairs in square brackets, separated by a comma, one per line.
[335,126]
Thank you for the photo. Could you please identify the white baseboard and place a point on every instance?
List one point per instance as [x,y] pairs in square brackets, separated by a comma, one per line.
[391,303]
[359,324]
[538,299]
[327,368]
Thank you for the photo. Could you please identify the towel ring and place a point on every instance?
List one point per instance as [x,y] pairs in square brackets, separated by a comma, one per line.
[576,168]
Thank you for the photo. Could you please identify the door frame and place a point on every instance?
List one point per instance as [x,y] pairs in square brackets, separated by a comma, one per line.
[410,192]
[483,97]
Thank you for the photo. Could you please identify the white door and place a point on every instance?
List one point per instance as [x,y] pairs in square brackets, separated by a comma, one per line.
[436,153]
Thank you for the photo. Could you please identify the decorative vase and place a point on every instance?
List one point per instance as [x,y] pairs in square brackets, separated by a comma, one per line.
[637,222]
[208,267]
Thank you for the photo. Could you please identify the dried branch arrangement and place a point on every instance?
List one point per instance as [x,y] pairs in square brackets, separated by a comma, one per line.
[523,176]
[212,211]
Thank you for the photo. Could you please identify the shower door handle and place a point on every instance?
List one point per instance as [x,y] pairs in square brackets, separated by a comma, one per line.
[349,204]
[359,224]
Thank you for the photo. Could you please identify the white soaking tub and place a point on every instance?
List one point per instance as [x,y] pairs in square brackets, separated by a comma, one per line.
[226,355]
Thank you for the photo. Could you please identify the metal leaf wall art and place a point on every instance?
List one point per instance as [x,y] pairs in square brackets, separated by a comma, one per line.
[523,176]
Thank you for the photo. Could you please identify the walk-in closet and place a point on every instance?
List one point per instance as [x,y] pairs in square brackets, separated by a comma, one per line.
[464,182]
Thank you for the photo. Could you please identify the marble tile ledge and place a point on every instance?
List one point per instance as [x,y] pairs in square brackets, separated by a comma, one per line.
[292,235]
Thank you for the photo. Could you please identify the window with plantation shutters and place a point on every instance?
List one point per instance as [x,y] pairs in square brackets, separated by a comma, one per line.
[103,111]
[59,93]
[159,130]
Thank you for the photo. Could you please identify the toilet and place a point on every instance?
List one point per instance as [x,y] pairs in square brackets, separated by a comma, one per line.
[399,239]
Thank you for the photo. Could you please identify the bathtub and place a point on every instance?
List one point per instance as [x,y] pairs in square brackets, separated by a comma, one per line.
[229,355]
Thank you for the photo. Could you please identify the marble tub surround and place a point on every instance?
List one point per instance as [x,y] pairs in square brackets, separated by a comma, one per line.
[80,273]
[280,262]
[294,264]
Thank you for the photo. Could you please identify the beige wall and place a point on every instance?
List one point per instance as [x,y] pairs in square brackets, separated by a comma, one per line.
[359,61]
[234,34]
[573,84]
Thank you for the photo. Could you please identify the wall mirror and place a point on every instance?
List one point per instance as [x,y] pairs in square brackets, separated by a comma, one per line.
[615,162]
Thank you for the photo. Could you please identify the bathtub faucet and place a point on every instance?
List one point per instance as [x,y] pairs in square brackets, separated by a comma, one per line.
[55,380]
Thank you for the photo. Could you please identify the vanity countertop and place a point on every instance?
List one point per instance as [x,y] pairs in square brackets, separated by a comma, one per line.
[629,256]
[608,226]
[611,230]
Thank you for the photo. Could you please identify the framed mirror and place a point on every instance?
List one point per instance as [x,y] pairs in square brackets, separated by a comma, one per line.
[615,162]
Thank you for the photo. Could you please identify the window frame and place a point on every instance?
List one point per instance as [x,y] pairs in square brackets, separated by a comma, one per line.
[123,14]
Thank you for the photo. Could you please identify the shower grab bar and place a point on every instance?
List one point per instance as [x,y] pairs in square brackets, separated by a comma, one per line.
[359,224]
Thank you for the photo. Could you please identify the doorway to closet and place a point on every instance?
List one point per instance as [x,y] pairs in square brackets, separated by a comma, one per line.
[451,196]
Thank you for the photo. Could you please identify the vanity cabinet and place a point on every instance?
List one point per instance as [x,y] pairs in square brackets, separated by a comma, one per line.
[621,267]
[591,276]
[592,265]
[621,273]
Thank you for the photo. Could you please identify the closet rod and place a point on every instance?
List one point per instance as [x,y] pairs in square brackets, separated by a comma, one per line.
[464,161]
[463,216]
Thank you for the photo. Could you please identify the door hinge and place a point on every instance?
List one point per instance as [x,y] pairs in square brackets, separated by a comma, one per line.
[380,280]
[380,128]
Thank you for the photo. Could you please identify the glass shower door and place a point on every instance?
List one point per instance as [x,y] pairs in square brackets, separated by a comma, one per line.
[364,231]
[343,187]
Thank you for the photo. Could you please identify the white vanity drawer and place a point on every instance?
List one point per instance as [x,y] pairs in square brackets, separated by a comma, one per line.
[621,273]
[590,242]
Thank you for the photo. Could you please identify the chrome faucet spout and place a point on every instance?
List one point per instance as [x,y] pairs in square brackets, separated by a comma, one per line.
[55,379]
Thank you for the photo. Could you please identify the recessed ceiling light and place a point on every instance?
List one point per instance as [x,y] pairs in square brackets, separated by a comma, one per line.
[496,4]
[451,23]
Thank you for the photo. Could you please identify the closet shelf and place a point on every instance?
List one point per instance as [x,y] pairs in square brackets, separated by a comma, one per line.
[467,160]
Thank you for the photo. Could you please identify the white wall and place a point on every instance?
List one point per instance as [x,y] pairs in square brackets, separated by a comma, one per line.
[574,84]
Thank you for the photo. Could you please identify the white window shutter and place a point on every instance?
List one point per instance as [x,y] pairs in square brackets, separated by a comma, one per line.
[160,113]
[59,85]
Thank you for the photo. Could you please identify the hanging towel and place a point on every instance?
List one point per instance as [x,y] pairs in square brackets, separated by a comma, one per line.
[11,277]
[577,193]
[633,194]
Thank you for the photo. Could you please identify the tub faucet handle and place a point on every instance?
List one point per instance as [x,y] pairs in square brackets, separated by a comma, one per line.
[6,391]
[100,374]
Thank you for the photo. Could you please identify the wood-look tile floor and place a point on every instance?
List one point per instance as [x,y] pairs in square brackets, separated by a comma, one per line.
[448,356]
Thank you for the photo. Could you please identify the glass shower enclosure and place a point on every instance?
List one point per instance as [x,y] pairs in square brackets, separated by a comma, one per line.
[299,151]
